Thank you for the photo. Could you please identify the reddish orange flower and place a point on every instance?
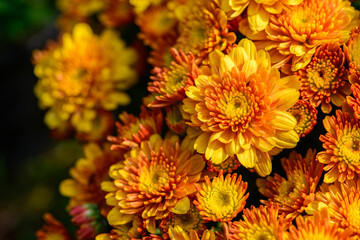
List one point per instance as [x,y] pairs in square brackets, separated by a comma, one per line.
[133,130]
[53,230]
[221,199]
[170,83]
[306,116]
[318,227]
[342,148]
[260,223]
[294,35]
[324,79]
[298,190]
[343,203]
[154,180]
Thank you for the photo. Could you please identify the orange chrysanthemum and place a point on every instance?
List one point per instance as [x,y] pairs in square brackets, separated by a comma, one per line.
[87,175]
[192,220]
[117,13]
[343,202]
[54,230]
[317,227]
[221,199]
[342,148]
[229,165]
[258,12]
[158,26]
[352,49]
[133,130]
[240,105]
[306,116]
[203,28]
[260,223]
[294,35]
[170,83]
[298,190]
[324,79]
[85,73]
[155,180]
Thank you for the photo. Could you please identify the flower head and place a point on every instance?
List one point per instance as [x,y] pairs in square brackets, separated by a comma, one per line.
[317,227]
[87,175]
[324,79]
[343,203]
[294,35]
[133,130]
[203,28]
[306,116]
[54,230]
[154,180]
[259,223]
[298,190]
[342,148]
[222,198]
[83,74]
[170,83]
[117,13]
[240,104]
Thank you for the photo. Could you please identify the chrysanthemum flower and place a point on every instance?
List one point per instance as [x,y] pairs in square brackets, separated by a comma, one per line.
[222,198]
[170,83]
[133,130]
[229,165]
[294,193]
[258,12]
[294,35]
[306,116]
[117,13]
[342,148]
[85,73]
[52,230]
[157,26]
[352,49]
[324,79]
[177,233]
[191,220]
[87,175]
[343,202]
[241,106]
[203,28]
[317,227]
[155,180]
[259,223]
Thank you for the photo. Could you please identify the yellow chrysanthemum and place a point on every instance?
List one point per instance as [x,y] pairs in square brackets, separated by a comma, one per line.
[155,180]
[342,148]
[298,190]
[343,202]
[294,35]
[258,12]
[83,74]
[317,227]
[306,116]
[203,28]
[221,199]
[324,79]
[260,223]
[177,233]
[87,175]
[240,105]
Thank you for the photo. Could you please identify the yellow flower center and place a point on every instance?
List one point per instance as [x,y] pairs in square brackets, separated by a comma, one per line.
[349,147]
[260,233]
[291,189]
[321,75]
[354,215]
[221,201]
[188,221]
[175,79]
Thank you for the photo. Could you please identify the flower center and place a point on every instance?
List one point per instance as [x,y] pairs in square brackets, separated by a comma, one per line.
[260,233]
[321,75]
[349,147]
[354,215]
[175,79]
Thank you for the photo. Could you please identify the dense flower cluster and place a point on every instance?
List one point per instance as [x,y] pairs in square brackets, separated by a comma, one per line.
[232,86]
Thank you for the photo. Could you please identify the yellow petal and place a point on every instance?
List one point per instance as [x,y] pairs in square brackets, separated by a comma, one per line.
[182,206]
[68,188]
[332,175]
[283,120]
[114,217]
[287,139]
[259,20]
[247,158]
[202,142]
[264,166]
